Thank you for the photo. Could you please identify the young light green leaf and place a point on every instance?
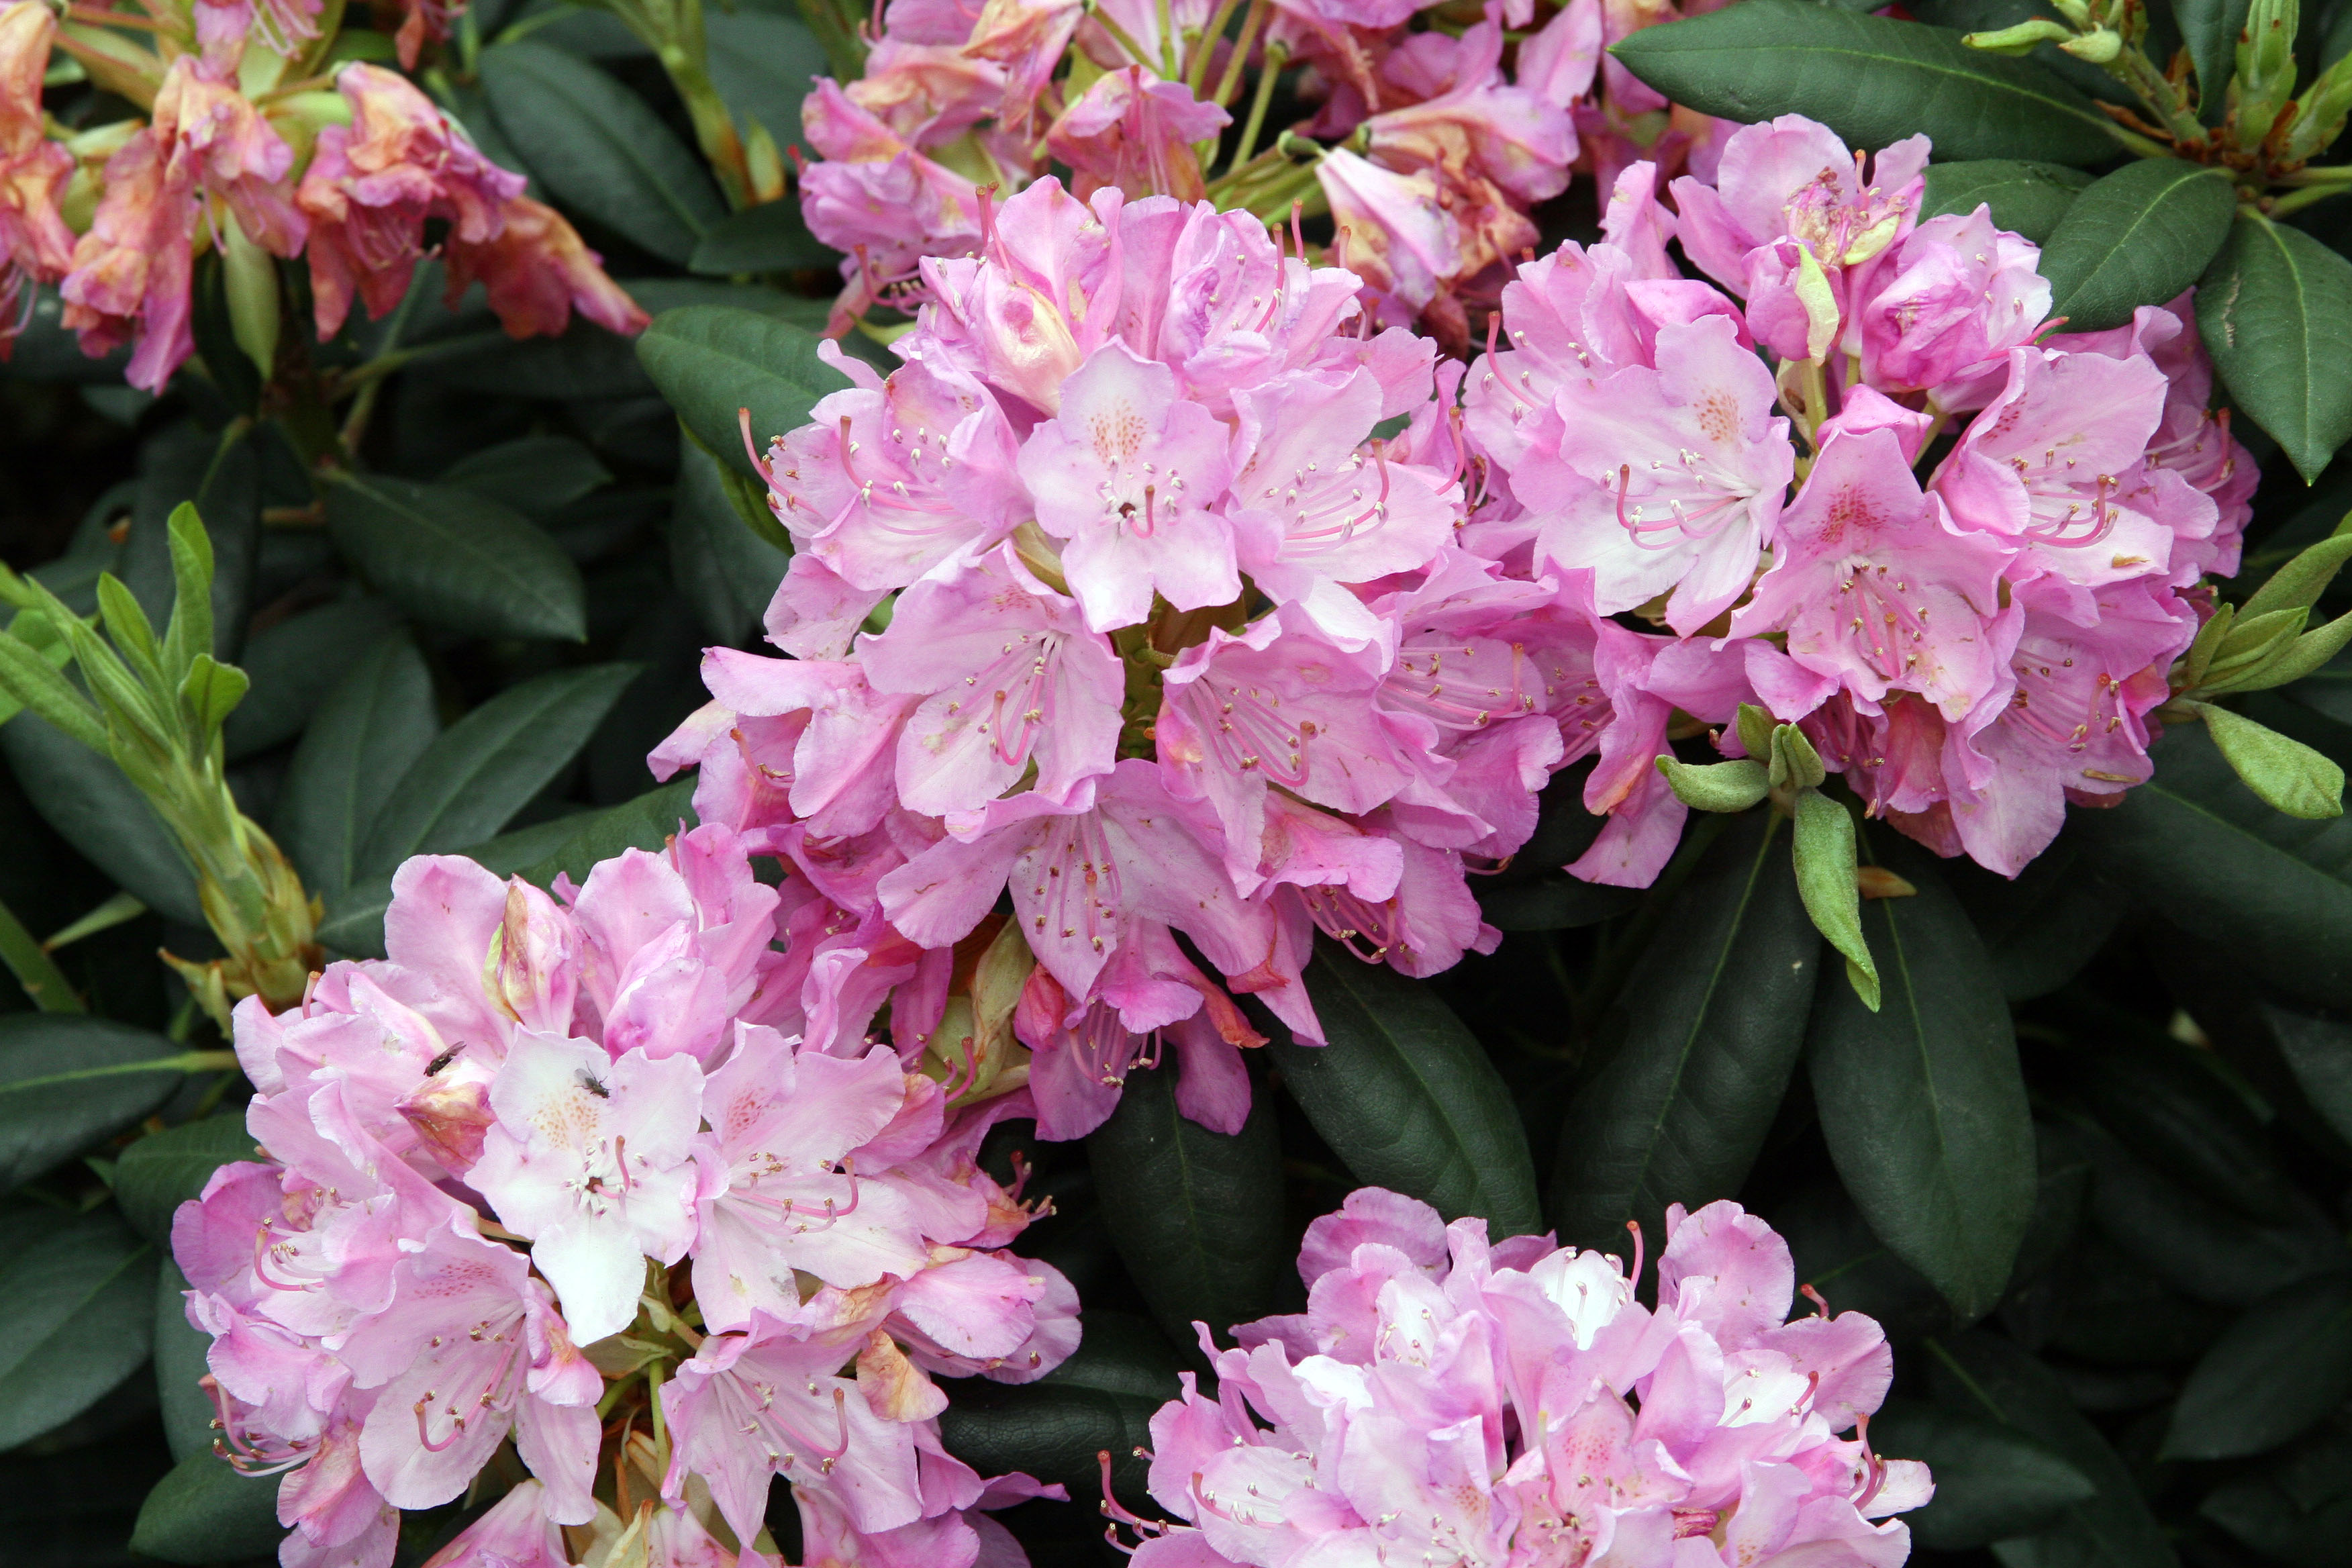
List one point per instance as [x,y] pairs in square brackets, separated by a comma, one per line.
[1922,1101]
[2139,236]
[2024,198]
[2275,309]
[212,690]
[1717,786]
[134,638]
[1826,868]
[35,684]
[1755,726]
[2298,584]
[1871,79]
[190,630]
[2285,772]
[1795,764]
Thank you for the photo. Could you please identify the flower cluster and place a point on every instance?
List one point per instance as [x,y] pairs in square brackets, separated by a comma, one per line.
[1424,148]
[1446,1400]
[549,1176]
[226,161]
[1972,648]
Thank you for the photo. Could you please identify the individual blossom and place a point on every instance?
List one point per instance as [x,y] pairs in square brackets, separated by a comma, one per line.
[1135,134]
[36,245]
[1515,1403]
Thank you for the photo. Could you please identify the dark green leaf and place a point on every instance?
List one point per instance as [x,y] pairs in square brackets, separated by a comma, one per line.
[487,765]
[1837,1255]
[534,476]
[1119,1352]
[2281,1366]
[2275,309]
[204,1512]
[1052,1431]
[600,148]
[223,479]
[155,1176]
[2169,1106]
[1705,1034]
[2025,199]
[1992,1481]
[179,1367]
[2296,1509]
[376,723]
[2210,28]
[1922,1101]
[2318,1051]
[354,921]
[762,64]
[645,823]
[77,1313]
[2041,926]
[1986,1375]
[295,664]
[2199,1247]
[85,797]
[458,559]
[68,1080]
[770,237]
[727,572]
[710,362]
[587,362]
[1406,1095]
[1194,1212]
[1871,79]
[2139,236]
[2195,845]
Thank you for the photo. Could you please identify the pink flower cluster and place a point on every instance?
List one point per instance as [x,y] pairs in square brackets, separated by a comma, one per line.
[1446,1400]
[552,1166]
[1993,549]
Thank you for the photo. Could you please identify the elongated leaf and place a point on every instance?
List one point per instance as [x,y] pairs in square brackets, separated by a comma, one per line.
[1922,1101]
[1825,879]
[180,1364]
[375,723]
[2139,236]
[155,1176]
[2172,1109]
[77,1311]
[458,559]
[1052,1430]
[2211,29]
[487,766]
[711,361]
[354,920]
[762,64]
[645,823]
[2201,1248]
[68,1080]
[727,572]
[2281,1368]
[1987,1376]
[2025,199]
[2288,775]
[223,479]
[295,664]
[600,148]
[2275,309]
[1705,1034]
[770,237]
[1992,1481]
[534,476]
[2041,926]
[204,1512]
[2318,1051]
[1406,1097]
[1871,79]
[2195,845]
[2295,1509]
[1193,1212]
[82,794]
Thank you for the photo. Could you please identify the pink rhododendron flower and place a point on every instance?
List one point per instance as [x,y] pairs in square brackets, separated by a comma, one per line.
[36,245]
[1515,1403]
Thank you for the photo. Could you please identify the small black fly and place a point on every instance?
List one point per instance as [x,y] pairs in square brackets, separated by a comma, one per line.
[593,1085]
[437,1063]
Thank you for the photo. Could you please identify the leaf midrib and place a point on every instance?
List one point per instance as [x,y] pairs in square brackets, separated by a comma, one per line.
[460,783]
[491,562]
[2188,174]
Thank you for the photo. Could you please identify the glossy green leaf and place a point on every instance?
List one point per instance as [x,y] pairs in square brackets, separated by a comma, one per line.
[2280,1369]
[354,920]
[82,794]
[179,1366]
[645,823]
[2210,29]
[2139,236]
[2026,198]
[1922,1101]
[204,1512]
[600,148]
[295,664]
[762,64]
[2173,1108]
[376,723]
[456,558]
[481,770]
[770,237]
[1194,1212]
[535,476]
[1700,1045]
[155,1176]
[1836,1254]
[68,1080]
[2275,309]
[711,361]
[1052,1430]
[76,1315]
[1992,1481]
[1986,1375]
[1871,79]
[1406,1097]
[727,572]
[2197,847]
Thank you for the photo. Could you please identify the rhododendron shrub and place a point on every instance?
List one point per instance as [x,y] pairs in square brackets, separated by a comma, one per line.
[752,749]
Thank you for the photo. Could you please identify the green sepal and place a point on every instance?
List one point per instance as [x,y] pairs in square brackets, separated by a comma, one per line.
[2252,640]
[1795,764]
[1825,880]
[1755,731]
[1717,786]
[2287,774]
[2190,672]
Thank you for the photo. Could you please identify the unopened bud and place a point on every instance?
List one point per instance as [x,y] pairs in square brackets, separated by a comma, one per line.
[2098,48]
[2265,78]
[2023,39]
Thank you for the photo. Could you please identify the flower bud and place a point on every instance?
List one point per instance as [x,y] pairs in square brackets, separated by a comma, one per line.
[2265,78]
[2023,39]
[2098,48]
